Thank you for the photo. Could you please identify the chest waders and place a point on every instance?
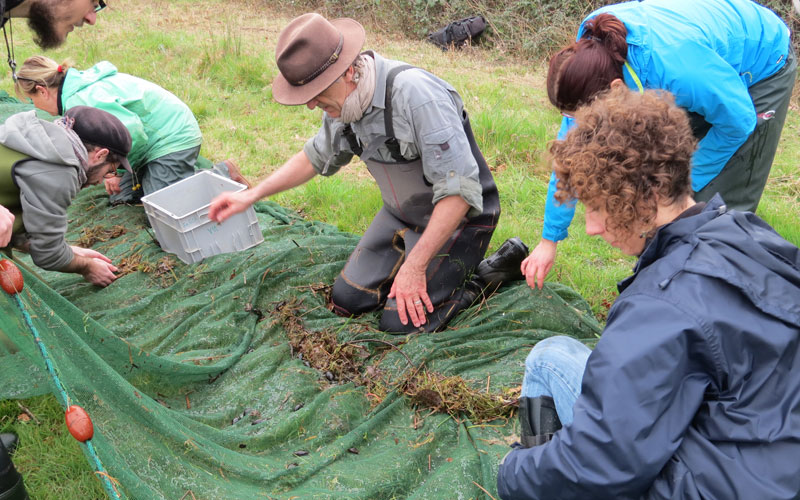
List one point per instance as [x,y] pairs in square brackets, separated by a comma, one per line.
[366,279]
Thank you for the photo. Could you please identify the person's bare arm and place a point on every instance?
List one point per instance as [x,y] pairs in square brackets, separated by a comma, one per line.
[410,286]
[95,267]
[298,170]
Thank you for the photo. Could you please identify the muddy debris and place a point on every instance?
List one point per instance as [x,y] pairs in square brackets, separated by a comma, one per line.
[343,362]
[91,235]
[457,396]
[300,453]
[162,269]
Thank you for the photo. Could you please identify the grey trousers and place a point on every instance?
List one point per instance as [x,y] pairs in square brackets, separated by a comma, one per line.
[157,174]
[741,182]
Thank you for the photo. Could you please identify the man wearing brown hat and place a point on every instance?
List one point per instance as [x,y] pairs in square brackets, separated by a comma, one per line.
[440,201]
[43,165]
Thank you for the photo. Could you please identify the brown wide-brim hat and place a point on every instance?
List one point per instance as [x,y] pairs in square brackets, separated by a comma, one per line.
[312,53]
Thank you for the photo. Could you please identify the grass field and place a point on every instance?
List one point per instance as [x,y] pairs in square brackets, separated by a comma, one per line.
[218,56]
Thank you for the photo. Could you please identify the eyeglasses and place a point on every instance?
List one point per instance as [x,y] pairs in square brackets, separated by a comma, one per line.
[100,6]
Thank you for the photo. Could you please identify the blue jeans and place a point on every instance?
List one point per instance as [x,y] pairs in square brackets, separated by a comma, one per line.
[554,368]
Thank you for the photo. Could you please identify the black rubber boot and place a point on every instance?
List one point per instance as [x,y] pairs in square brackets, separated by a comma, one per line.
[11,486]
[503,265]
[9,441]
[538,420]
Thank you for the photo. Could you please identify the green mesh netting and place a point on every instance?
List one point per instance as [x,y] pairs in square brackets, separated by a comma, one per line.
[188,373]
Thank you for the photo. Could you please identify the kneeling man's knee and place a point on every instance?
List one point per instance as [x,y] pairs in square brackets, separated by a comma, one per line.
[349,299]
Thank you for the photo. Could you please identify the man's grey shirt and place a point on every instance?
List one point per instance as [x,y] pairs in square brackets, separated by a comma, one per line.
[426,115]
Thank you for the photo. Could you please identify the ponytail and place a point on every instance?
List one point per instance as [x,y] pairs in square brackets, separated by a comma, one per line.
[39,70]
[584,68]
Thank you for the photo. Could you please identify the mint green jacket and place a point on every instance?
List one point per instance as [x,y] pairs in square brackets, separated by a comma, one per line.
[158,121]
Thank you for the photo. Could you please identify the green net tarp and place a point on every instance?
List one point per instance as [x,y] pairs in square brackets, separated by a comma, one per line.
[189,377]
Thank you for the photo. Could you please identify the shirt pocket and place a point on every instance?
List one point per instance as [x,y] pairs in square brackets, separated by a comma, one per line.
[439,151]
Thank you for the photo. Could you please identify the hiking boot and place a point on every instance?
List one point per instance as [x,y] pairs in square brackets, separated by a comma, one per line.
[235,174]
[538,420]
[503,265]
[11,486]
[9,441]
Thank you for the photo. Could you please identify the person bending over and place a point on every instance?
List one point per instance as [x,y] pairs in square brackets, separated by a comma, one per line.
[165,134]
[729,64]
[43,165]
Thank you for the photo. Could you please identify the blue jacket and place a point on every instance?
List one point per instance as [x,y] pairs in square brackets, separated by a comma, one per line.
[693,391]
[707,53]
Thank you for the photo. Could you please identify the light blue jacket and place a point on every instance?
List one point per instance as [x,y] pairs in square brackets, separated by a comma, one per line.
[159,122]
[707,53]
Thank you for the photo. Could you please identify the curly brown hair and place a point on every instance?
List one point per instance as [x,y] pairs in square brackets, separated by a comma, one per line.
[628,153]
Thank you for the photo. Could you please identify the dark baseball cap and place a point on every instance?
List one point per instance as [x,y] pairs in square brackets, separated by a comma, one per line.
[101,128]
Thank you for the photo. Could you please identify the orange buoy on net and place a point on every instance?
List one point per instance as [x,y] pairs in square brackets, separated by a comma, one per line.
[10,277]
[79,424]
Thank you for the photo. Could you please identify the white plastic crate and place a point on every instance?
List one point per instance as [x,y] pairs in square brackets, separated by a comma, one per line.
[179,216]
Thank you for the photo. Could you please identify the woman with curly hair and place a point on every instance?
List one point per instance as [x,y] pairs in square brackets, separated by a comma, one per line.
[729,64]
[692,390]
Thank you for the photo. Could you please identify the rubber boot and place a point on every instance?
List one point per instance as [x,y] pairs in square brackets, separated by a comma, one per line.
[9,441]
[11,486]
[503,265]
[235,174]
[538,420]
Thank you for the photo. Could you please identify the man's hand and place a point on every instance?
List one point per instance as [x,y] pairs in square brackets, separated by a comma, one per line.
[293,173]
[6,226]
[410,289]
[410,285]
[95,267]
[100,272]
[112,185]
[536,265]
[229,203]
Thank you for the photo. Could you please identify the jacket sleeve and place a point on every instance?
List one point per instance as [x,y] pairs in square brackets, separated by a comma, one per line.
[557,216]
[643,384]
[46,191]
[98,97]
[718,93]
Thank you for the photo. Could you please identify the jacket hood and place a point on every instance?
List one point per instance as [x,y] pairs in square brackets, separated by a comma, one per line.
[738,248]
[77,80]
[43,140]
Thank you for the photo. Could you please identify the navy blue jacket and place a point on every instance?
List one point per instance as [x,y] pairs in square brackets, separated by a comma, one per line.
[693,390]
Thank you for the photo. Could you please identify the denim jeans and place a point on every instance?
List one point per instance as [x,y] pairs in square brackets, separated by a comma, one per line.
[554,368]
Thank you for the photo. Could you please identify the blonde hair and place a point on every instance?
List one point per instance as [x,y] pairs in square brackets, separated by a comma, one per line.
[39,70]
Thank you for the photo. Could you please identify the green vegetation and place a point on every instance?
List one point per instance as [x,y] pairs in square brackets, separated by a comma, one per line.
[218,56]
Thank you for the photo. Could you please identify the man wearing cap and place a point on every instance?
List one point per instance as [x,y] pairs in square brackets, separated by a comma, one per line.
[43,165]
[51,22]
[410,128]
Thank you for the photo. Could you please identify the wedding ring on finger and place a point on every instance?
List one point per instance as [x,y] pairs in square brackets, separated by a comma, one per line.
[417,302]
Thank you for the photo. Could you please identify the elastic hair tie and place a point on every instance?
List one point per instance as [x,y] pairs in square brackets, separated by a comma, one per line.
[60,69]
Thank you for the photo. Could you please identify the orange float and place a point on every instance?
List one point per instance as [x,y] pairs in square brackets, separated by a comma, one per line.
[10,277]
[79,424]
